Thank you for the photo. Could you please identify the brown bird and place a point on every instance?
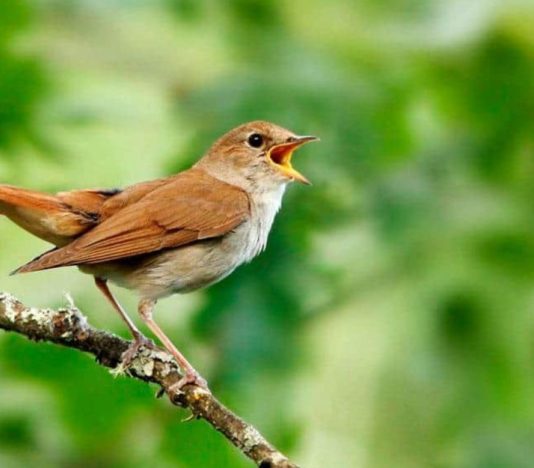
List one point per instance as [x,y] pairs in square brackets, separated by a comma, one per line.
[170,235]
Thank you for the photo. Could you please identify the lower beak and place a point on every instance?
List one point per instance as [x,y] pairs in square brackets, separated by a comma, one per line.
[280,156]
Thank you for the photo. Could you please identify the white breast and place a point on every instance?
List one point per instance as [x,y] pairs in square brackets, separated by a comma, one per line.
[264,207]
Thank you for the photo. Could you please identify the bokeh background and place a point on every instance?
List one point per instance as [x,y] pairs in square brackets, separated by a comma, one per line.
[390,321]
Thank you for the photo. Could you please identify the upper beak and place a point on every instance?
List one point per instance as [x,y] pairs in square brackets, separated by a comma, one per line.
[280,155]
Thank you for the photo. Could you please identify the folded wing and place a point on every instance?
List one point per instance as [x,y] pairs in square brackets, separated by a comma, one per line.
[188,207]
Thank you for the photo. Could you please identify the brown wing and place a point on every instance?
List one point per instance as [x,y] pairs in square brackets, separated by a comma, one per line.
[130,195]
[90,201]
[190,207]
[105,203]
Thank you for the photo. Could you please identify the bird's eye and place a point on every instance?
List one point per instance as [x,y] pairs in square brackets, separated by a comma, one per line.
[255,140]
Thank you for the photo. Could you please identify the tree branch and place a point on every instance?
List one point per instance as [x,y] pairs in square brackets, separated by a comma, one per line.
[68,327]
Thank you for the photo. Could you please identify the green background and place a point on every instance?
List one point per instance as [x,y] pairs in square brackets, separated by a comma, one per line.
[390,321]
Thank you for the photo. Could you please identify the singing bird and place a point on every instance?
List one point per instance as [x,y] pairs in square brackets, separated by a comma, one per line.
[170,235]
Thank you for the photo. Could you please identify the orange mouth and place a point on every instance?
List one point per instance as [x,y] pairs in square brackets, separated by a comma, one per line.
[280,156]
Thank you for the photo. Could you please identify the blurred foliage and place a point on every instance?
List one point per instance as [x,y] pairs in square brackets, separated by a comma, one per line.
[390,321]
[22,81]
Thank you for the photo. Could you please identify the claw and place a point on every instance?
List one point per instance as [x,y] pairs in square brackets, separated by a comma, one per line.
[190,378]
[129,355]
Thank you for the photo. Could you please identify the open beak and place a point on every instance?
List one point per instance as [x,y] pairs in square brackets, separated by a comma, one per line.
[280,157]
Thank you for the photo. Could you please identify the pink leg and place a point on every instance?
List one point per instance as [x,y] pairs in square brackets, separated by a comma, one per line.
[139,338]
[191,376]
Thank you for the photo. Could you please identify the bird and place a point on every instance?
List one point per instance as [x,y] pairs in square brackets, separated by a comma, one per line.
[167,236]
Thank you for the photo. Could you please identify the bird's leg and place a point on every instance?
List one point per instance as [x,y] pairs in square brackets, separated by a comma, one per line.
[190,374]
[139,339]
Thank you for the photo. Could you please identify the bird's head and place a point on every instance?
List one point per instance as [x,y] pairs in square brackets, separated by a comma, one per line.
[255,155]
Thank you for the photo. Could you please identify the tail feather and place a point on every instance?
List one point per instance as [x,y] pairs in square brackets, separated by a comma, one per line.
[54,218]
[11,197]
[61,218]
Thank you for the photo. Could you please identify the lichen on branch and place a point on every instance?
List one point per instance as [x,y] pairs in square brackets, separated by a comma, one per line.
[67,326]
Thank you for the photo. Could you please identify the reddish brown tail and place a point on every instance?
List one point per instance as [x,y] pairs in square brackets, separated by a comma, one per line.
[55,218]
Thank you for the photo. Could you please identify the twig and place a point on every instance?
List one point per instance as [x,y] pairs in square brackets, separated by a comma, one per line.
[68,327]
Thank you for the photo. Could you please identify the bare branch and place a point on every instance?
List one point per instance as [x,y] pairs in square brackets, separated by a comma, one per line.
[68,327]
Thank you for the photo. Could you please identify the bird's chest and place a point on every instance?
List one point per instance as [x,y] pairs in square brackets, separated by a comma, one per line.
[250,238]
[246,241]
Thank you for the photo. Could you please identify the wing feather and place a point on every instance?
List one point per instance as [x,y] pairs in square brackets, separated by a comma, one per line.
[189,207]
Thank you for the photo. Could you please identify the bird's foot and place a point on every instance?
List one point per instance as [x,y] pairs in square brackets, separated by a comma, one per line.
[191,377]
[140,341]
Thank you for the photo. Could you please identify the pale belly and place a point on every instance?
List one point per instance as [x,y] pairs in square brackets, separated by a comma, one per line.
[183,269]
